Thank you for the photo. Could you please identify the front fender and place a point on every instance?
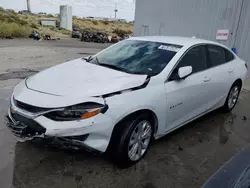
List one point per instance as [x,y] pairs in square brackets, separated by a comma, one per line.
[122,105]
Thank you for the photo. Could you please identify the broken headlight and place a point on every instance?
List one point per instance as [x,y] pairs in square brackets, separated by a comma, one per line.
[77,112]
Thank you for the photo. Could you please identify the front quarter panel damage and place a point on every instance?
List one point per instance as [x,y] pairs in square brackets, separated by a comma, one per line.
[151,98]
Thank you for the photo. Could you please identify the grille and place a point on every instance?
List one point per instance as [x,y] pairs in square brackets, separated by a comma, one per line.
[16,129]
[29,108]
[31,127]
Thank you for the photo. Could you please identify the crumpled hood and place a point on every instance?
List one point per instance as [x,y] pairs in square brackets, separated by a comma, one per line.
[80,78]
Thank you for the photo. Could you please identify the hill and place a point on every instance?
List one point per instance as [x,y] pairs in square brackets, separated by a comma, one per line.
[108,27]
[17,25]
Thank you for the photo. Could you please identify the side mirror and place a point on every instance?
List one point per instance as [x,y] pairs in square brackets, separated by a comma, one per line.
[184,72]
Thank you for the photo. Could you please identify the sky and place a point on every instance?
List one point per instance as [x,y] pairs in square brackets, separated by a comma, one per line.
[81,8]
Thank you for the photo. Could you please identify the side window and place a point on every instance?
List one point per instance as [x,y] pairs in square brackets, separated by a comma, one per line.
[217,55]
[196,57]
[229,55]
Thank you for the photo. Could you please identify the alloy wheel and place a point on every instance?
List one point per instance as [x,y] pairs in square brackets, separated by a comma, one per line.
[233,96]
[139,140]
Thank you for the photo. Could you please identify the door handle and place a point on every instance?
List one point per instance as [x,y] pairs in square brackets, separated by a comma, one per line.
[230,70]
[207,79]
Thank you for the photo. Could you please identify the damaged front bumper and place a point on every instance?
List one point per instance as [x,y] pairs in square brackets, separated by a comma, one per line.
[28,122]
[92,134]
[21,131]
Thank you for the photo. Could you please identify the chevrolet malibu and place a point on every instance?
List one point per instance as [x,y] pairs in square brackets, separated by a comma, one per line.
[122,98]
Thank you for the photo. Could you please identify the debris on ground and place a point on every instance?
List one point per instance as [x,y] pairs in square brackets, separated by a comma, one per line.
[46,37]
[244,118]
[36,36]
[180,148]
[9,37]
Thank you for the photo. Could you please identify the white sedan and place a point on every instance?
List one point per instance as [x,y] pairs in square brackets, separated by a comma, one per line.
[122,98]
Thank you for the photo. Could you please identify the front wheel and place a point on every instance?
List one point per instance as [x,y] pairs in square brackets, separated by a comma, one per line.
[232,97]
[131,140]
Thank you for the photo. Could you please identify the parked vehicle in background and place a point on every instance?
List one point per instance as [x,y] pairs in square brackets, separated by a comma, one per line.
[114,39]
[46,37]
[97,37]
[122,98]
[105,38]
[86,36]
[76,34]
[35,36]
[24,12]
[42,13]
[123,37]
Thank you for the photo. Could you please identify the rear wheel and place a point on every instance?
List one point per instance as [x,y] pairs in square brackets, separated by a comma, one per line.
[232,97]
[131,140]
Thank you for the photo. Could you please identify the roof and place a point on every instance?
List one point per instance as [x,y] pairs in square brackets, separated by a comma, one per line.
[48,19]
[184,41]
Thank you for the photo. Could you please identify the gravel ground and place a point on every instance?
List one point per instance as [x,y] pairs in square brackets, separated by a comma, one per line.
[24,55]
[183,159]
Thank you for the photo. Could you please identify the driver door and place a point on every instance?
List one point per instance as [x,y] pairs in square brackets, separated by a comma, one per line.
[187,98]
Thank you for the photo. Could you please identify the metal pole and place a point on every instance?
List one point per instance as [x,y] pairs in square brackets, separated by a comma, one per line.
[238,24]
[116,10]
[28,5]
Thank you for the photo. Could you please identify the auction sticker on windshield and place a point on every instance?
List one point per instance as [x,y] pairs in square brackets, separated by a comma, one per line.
[169,48]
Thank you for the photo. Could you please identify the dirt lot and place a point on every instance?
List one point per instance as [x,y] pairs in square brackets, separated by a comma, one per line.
[17,55]
[185,158]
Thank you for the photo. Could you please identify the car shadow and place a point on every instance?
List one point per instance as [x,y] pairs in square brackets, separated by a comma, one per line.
[214,127]
[184,158]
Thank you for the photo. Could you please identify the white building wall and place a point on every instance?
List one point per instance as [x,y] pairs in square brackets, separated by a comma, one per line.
[200,18]
[48,23]
[66,17]
[242,41]
[69,18]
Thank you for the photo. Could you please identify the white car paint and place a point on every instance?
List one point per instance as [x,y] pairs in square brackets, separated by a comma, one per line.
[78,78]
[190,94]
[174,103]
[185,71]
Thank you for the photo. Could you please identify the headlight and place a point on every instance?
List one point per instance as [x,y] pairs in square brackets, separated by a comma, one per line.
[77,112]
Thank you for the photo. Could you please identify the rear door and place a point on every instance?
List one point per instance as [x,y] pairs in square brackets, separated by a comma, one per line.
[221,72]
[188,98]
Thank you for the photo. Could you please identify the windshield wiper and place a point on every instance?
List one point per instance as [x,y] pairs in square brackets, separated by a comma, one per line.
[88,59]
[91,58]
[112,66]
[97,60]
[107,65]
[118,68]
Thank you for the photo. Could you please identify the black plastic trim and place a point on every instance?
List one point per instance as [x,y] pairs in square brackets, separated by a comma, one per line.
[29,108]
[144,85]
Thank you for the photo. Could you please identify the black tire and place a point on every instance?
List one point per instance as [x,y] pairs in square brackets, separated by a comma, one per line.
[119,144]
[227,107]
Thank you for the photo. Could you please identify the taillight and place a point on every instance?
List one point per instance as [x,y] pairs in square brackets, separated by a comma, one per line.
[246,66]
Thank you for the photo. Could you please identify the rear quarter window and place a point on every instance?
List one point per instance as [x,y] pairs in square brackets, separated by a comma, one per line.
[229,55]
[217,55]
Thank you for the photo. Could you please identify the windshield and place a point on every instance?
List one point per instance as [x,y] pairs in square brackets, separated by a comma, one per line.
[138,57]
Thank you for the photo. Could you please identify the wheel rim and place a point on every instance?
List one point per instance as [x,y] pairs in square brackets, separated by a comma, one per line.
[139,140]
[233,96]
